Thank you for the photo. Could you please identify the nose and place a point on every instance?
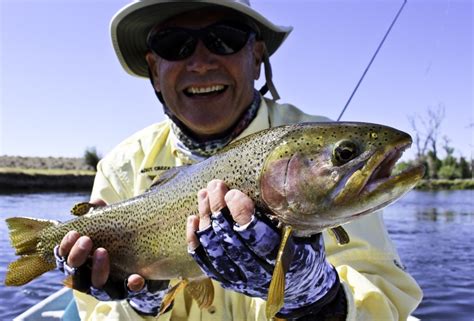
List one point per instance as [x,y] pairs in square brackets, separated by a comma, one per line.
[202,60]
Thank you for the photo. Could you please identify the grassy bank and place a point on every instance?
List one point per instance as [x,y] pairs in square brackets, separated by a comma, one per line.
[34,179]
[445,184]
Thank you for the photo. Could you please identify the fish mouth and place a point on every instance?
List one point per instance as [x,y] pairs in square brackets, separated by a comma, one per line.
[384,168]
[373,181]
[382,165]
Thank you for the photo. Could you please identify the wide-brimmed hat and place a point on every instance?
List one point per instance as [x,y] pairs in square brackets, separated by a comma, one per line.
[131,25]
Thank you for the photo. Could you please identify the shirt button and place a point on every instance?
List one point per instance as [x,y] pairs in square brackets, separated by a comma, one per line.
[211,309]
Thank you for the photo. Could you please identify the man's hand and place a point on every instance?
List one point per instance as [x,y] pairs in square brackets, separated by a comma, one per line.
[78,249]
[75,250]
[238,249]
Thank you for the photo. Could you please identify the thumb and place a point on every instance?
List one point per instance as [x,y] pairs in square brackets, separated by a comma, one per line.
[135,282]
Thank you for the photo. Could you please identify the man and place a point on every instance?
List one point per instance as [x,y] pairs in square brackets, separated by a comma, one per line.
[202,58]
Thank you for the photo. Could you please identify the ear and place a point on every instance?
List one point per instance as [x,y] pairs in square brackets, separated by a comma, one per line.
[258,51]
[152,62]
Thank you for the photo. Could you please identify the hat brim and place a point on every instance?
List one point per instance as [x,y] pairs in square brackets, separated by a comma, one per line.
[131,25]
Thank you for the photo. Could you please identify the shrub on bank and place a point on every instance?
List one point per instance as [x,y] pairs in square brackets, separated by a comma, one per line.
[91,157]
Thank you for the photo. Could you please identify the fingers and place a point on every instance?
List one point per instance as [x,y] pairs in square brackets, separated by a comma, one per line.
[135,282]
[67,243]
[240,206]
[80,252]
[204,209]
[217,196]
[100,268]
[191,227]
[216,190]
[77,249]
[98,202]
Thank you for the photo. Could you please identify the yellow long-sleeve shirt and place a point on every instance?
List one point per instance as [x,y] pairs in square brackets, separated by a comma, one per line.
[376,286]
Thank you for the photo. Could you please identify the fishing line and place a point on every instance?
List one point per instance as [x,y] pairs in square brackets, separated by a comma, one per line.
[372,59]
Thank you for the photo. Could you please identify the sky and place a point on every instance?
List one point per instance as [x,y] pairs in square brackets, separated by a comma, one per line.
[62,89]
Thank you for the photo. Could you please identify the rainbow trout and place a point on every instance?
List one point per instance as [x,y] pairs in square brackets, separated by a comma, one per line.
[310,177]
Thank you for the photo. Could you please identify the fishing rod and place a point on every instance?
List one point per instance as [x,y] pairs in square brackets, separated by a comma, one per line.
[372,59]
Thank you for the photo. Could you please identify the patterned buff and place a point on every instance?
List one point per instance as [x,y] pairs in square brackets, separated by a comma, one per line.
[187,144]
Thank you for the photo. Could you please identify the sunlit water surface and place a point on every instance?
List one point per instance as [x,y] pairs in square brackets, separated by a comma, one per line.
[434,233]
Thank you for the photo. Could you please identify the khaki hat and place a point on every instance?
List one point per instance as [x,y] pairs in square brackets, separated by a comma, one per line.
[131,25]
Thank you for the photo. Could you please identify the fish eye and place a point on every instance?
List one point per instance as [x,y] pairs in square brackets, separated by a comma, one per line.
[344,152]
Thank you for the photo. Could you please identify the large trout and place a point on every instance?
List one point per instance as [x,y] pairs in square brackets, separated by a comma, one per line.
[309,177]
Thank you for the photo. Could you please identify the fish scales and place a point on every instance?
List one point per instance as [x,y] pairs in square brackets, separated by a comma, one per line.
[153,224]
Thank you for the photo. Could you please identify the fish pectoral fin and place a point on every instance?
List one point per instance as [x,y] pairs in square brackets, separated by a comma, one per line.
[341,235]
[276,291]
[202,291]
[171,295]
[82,208]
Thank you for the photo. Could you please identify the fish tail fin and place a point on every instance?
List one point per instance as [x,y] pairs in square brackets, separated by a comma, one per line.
[26,269]
[24,237]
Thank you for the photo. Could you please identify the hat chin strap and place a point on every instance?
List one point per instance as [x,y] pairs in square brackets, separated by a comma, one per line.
[269,86]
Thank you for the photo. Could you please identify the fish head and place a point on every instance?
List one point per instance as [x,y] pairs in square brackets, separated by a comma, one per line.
[322,175]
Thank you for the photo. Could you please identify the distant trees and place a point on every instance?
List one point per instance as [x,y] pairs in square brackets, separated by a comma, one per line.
[91,157]
[427,133]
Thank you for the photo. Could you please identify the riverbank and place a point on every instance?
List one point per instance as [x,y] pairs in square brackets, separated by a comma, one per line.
[445,184]
[30,174]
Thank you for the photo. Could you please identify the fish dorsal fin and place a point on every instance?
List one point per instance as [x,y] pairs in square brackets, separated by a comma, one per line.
[202,291]
[82,208]
[276,291]
[171,295]
[341,235]
[166,176]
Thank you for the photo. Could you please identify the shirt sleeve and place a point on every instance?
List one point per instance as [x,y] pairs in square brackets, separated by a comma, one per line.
[377,286]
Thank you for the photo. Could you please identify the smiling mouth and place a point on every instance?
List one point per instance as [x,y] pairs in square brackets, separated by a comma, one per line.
[194,91]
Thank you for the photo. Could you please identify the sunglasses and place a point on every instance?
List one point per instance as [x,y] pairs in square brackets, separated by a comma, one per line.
[222,38]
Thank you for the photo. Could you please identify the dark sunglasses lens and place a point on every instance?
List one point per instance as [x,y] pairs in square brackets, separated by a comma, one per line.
[173,44]
[225,39]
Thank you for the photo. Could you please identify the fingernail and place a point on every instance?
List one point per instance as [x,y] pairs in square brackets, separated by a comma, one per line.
[99,255]
[190,220]
[229,196]
[202,194]
[69,235]
[212,185]
[82,243]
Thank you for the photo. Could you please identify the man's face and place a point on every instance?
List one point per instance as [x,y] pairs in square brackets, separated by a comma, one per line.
[207,92]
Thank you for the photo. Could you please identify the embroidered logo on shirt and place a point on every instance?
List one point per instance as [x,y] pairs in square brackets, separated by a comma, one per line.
[148,170]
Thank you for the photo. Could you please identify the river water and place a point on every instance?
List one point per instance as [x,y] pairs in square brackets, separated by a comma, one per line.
[433,231]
